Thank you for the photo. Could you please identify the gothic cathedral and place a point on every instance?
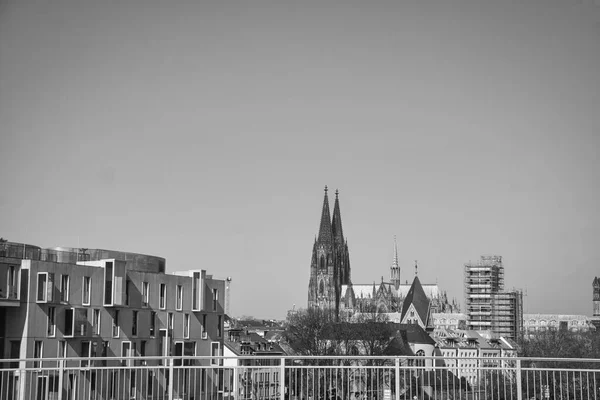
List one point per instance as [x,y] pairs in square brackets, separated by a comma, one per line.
[330,264]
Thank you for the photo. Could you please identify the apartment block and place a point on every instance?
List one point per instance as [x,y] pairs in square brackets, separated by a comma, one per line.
[66,303]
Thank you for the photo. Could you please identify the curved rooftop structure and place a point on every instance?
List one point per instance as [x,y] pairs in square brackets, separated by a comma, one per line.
[135,261]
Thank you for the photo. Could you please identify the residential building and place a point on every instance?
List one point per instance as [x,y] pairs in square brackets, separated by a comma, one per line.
[488,305]
[66,303]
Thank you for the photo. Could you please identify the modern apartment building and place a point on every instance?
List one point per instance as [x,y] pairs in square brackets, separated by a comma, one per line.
[66,303]
[488,305]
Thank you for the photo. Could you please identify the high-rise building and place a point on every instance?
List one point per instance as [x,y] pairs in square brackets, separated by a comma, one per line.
[488,305]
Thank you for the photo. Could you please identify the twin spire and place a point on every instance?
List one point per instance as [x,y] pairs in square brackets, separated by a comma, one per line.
[330,230]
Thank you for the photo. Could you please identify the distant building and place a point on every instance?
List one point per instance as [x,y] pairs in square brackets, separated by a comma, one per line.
[66,303]
[330,284]
[452,321]
[488,305]
[534,323]
[467,353]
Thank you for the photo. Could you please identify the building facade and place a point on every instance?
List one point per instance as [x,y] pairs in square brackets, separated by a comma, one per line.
[54,306]
[488,305]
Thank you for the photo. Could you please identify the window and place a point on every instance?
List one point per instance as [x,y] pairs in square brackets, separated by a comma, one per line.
[127,291]
[62,349]
[86,292]
[69,330]
[85,353]
[51,331]
[215,299]
[134,324]
[145,294]
[170,321]
[152,323]
[179,302]
[203,327]
[186,326]
[126,352]
[38,352]
[64,288]
[108,283]
[163,296]
[12,283]
[220,326]
[143,348]
[115,326]
[215,353]
[45,283]
[96,322]
[196,291]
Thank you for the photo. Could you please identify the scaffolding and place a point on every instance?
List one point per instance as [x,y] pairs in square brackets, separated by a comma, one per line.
[488,306]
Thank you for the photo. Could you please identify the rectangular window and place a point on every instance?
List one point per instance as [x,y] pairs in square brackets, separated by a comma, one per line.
[145,294]
[62,349]
[186,326]
[196,291]
[45,287]
[126,352]
[203,327]
[96,322]
[38,352]
[215,299]
[51,331]
[108,283]
[220,326]
[143,348]
[87,289]
[152,324]
[215,353]
[127,291]
[170,321]
[69,330]
[179,302]
[85,353]
[64,288]
[115,325]
[163,296]
[134,324]
[12,283]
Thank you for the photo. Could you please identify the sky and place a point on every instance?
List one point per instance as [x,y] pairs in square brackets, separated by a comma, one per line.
[204,132]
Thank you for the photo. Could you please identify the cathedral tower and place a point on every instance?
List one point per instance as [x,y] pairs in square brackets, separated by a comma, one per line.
[330,263]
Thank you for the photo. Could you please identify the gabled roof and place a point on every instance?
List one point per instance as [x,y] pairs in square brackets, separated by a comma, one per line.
[398,347]
[415,334]
[416,296]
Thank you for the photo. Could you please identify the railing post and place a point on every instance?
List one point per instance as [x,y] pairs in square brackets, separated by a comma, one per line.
[282,379]
[519,382]
[170,383]
[61,373]
[397,372]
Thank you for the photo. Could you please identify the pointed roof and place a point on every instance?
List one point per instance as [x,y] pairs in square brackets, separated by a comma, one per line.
[416,295]
[338,234]
[395,262]
[325,233]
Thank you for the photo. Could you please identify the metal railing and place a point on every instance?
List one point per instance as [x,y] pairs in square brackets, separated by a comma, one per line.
[300,378]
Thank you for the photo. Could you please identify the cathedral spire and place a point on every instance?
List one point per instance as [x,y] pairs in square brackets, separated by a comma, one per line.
[395,268]
[338,234]
[325,234]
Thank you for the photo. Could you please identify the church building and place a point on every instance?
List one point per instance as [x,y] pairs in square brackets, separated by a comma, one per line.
[330,284]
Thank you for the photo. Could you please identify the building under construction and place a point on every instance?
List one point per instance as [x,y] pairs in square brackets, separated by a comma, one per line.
[488,305]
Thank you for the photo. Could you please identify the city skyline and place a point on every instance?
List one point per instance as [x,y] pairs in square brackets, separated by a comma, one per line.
[205,134]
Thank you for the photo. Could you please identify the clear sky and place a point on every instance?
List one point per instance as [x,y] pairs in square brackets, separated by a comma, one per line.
[205,133]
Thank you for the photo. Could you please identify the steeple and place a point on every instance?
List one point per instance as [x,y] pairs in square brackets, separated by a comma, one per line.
[325,234]
[395,268]
[338,234]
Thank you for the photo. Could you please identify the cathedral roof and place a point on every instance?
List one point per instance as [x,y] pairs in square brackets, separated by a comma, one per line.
[325,231]
[431,290]
[416,295]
